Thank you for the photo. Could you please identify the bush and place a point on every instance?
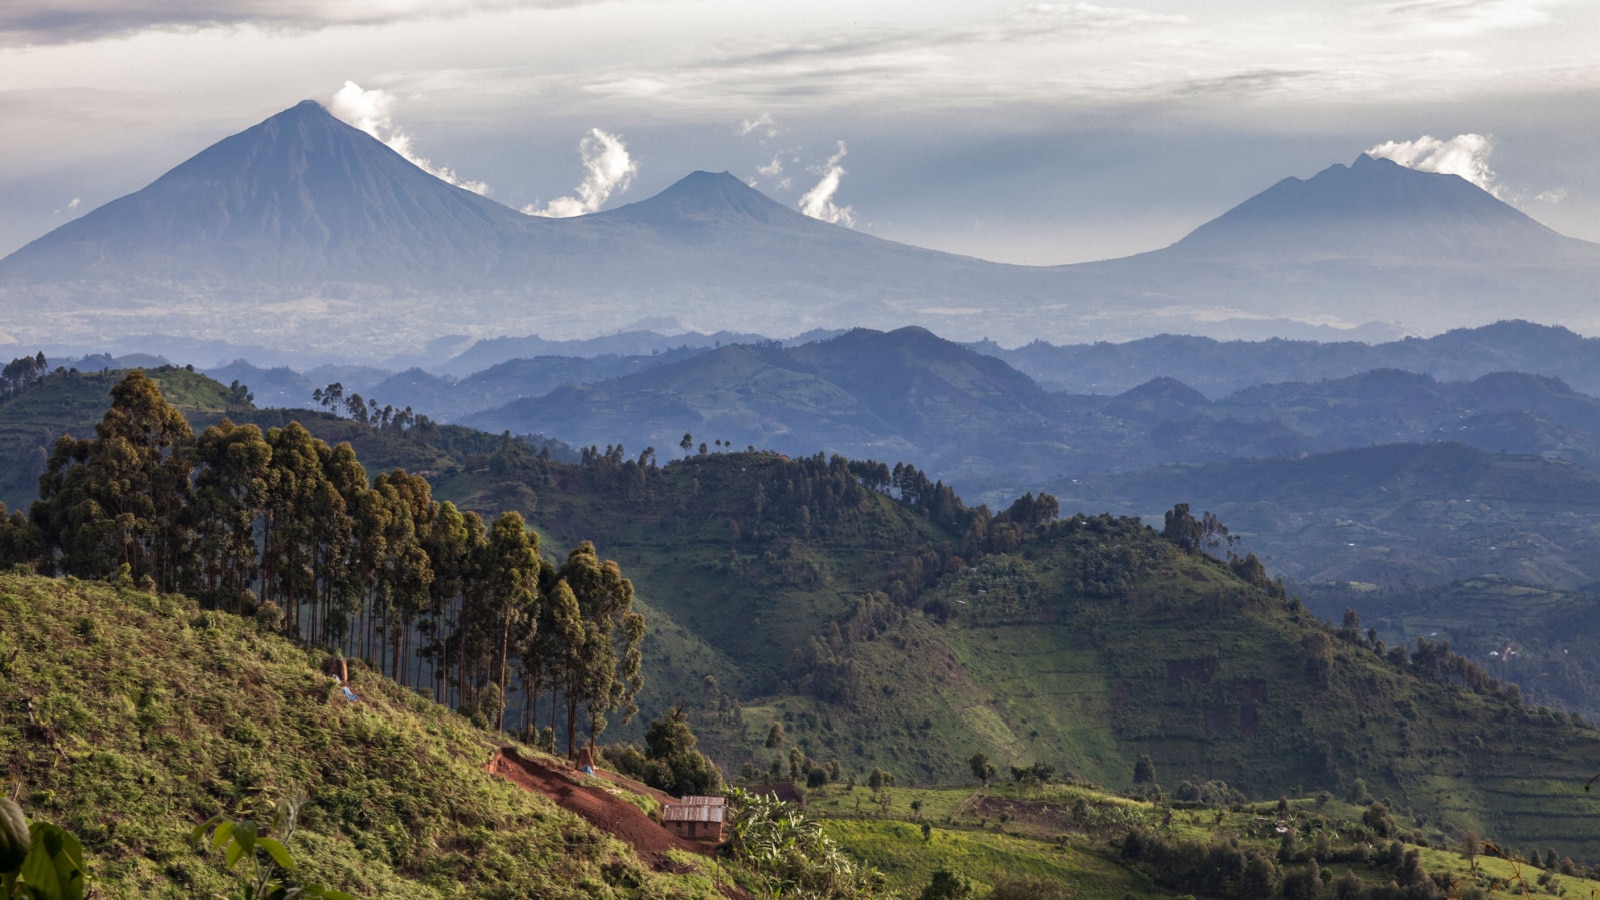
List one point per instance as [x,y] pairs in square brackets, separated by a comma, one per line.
[948,885]
[1026,888]
[670,761]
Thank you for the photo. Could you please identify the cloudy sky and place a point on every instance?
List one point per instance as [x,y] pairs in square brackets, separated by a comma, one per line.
[1023,132]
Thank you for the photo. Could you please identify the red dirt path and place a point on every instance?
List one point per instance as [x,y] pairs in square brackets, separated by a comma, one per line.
[610,814]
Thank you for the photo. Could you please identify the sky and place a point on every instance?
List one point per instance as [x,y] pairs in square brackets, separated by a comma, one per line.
[1035,133]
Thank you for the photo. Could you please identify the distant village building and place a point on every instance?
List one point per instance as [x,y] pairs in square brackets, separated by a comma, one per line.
[696,818]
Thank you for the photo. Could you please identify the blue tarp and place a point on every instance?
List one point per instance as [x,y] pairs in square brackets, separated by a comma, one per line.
[349,694]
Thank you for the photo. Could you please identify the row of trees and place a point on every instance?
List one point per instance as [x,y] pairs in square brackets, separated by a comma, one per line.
[281,526]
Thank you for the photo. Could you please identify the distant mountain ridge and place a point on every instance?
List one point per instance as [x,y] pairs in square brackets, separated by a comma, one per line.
[1426,513]
[304,231]
[987,428]
[1218,368]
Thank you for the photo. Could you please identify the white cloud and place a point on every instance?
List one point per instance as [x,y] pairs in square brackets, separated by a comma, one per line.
[771,169]
[818,202]
[1554,195]
[68,21]
[762,123]
[608,169]
[1461,18]
[1466,155]
[372,112]
[74,203]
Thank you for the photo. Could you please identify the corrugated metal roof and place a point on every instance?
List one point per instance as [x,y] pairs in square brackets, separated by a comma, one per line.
[701,801]
[673,812]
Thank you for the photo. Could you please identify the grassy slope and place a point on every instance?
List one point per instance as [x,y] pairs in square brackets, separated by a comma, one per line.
[1035,669]
[1038,838]
[164,715]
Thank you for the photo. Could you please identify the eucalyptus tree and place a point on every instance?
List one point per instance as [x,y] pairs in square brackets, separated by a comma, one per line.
[511,590]
[448,544]
[231,492]
[608,675]
[565,639]
[121,498]
[405,572]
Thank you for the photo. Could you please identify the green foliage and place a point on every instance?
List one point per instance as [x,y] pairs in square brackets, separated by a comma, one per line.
[670,761]
[38,861]
[790,854]
[180,723]
[982,768]
[270,870]
[948,885]
[287,528]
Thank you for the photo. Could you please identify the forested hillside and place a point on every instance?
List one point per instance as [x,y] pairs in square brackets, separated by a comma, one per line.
[1424,513]
[820,614]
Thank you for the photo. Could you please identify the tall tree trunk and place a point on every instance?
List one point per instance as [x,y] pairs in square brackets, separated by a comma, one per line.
[505,648]
[572,726]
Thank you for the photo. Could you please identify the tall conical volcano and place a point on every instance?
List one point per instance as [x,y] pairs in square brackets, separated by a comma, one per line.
[303,231]
[301,198]
[1379,209]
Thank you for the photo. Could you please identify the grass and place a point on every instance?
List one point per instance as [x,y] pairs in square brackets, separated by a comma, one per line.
[154,715]
[1042,841]
[1208,676]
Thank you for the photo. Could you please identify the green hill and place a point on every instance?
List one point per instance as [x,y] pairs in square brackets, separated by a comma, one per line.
[1431,513]
[885,624]
[1100,642]
[69,402]
[1547,641]
[129,718]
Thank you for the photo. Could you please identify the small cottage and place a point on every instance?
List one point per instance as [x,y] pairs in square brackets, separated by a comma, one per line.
[696,818]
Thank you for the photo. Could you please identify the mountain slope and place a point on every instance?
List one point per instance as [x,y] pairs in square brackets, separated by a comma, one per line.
[1375,209]
[1220,368]
[1547,641]
[299,199]
[1100,641]
[1427,513]
[153,715]
[303,231]
[906,394]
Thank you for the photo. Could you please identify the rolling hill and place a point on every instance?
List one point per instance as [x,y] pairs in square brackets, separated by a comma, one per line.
[1218,368]
[905,395]
[887,625]
[1421,513]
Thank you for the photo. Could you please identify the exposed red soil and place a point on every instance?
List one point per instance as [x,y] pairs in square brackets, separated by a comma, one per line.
[610,814]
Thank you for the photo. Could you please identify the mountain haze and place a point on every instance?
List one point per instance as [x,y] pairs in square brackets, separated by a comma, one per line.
[304,231]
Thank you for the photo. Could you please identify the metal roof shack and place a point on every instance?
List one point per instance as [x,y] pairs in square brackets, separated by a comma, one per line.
[701,801]
[696,818]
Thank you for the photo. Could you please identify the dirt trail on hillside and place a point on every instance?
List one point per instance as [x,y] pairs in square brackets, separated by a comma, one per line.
[613,815]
